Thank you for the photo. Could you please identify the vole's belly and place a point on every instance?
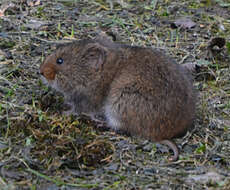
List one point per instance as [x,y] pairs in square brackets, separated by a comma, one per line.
[112,118]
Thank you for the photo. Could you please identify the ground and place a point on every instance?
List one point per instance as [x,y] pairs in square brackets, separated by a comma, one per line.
[42,149]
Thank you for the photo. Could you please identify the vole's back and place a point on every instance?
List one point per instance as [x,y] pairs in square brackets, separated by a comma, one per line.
[153,96]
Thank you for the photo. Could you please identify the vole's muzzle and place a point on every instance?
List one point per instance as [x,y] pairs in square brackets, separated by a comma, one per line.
[48,71]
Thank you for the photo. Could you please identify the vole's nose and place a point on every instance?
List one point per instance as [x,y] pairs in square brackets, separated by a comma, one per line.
[42,69]
[48,72]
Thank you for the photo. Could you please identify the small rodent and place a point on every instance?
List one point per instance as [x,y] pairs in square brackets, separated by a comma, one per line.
[139,90]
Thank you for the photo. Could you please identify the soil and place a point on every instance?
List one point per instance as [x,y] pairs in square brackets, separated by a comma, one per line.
[41,149]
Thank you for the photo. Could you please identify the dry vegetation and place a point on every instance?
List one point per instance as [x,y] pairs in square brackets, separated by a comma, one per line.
[41,149]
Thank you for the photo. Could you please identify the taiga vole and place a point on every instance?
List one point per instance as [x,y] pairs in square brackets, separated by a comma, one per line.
[138,89]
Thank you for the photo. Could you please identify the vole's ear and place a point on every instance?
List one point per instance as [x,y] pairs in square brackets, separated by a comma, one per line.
[95,55]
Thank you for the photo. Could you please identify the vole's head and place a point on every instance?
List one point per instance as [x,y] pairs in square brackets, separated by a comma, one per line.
[74,65]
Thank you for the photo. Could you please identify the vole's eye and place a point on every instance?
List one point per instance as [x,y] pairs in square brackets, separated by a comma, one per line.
[59,60]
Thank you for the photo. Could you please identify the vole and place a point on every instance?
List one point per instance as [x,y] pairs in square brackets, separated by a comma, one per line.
[139,90]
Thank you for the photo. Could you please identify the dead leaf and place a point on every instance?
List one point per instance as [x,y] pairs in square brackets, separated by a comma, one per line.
[216,45]
[35,24]
[33,3]
[206,178]
[4,7]
[185,23]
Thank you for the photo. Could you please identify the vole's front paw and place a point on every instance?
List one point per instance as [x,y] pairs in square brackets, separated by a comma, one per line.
[99,120]
[68,110]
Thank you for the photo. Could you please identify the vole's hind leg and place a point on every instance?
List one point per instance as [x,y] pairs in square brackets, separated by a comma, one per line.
[174,147]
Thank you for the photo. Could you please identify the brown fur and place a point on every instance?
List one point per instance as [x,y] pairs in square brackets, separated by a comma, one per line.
[144,91]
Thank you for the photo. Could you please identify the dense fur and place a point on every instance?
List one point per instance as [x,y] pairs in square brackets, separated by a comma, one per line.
[139,90]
